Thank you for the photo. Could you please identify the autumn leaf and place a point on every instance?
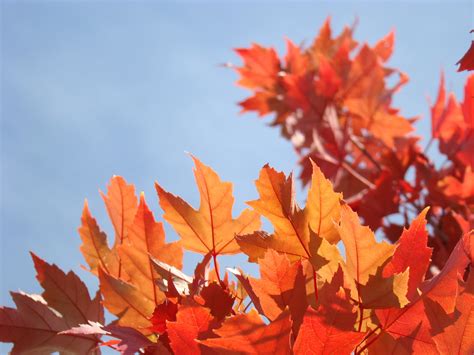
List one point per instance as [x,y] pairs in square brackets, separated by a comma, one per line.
[412,252]
[458,336]
[33,328]
[410,324]
[125,301]
[292,235]
[281,286]
[467,61]
[248,334]
[329,330]
[261,67]
[363,254]
[146,239]
[67,294]
[94,246]
[165,311]
[219,300]
[192,323]
[121,204]
[130,341]
[324,206]
[211,228]
[364,260]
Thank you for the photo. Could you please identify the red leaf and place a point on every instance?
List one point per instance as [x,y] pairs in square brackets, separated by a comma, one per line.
[247,334]
[467,61]
[67,294]
[33,328]
[261,67]
[412,252]
[329,330]
[218,300]
[164,312]
[192,322]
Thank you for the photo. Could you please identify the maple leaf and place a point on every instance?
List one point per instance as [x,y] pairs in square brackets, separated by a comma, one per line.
[261,67]
[281,286]
[296,62]
[364,260]
[121,204]
[67,294]
[384,47]
[217,299]
[459,191]
[165,311]
[125,301]
[130,340]
[248,334]
[292,235]
[411,252]
[453,125]
[146,239]
[384,190]
[329,330]
[445,121]
[410,324]
[192,323]
[364,98]
[458,336]
[211,228]
[468,103]
[33,327]
[94,246]
[467,61]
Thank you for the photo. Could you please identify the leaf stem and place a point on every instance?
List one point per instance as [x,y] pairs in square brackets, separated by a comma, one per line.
[216,267]
[315,282]
[361,309]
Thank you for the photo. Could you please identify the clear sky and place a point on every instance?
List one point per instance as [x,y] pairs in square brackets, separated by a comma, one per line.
[91,89]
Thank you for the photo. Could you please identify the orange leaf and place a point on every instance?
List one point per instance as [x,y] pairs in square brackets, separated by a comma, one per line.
[261,67]
[94,246]
[363,254]
[410,324]
[292,235]
[282,285]
[458,337]
[247,334]
[192,323]
[146,238]
[211,228]
[329,330]
[121,204]
[364,260]
[125,301]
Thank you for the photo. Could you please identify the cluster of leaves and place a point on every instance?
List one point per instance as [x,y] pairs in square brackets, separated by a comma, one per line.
[309,298]
[332,100]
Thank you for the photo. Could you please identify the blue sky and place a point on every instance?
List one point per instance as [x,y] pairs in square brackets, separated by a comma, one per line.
[92,89]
